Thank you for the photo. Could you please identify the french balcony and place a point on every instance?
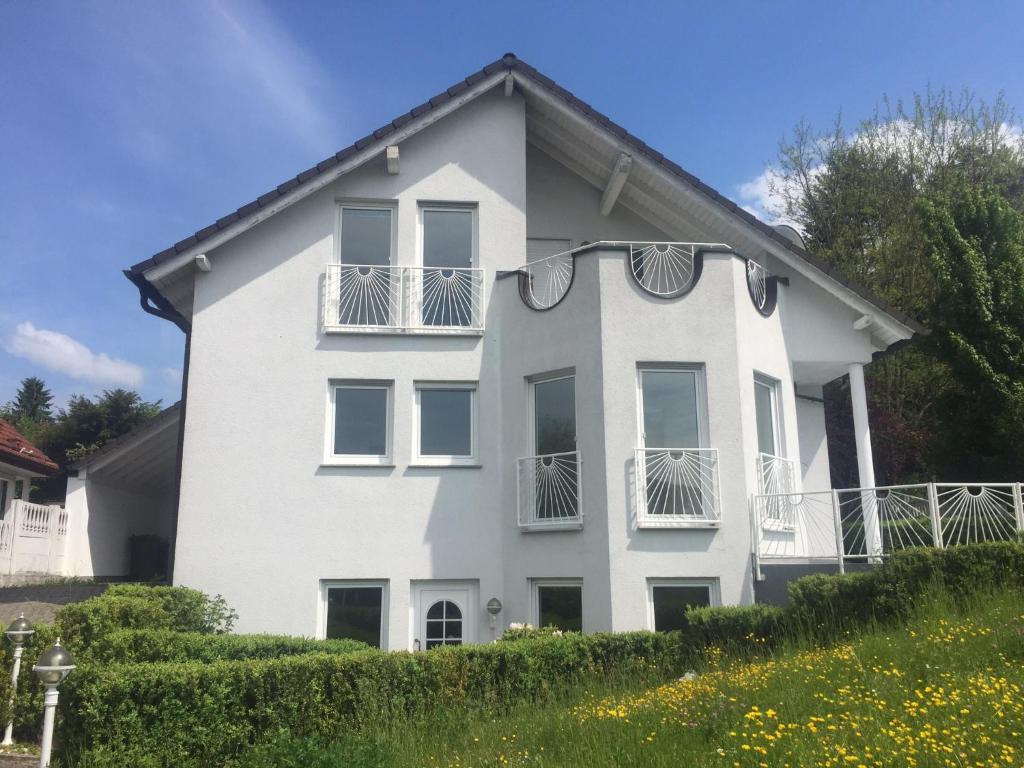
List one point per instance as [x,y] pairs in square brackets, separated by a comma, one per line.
[364,298]
[677,488]
[776,479]
[549,492]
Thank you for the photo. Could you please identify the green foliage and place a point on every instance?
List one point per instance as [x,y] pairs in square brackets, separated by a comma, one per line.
[823,606]
[855,195]
[137,606]
[734,627]
[975,242]
[528,632]
[194,714]
[131,646]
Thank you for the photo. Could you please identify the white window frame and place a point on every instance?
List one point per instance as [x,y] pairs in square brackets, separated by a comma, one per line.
[418,459]
[712,583]
[366,205]
[545,378]
[774,387]
[332,459]
[385,603]
[700,392]
[433,205]
[535,587]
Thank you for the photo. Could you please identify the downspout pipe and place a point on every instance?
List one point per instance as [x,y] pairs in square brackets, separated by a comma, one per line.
[153,302]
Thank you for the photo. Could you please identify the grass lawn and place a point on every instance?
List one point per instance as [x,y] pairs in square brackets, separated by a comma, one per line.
[944,691]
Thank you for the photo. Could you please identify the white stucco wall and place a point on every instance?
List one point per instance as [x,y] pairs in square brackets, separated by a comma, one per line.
[263,521]
[103,518]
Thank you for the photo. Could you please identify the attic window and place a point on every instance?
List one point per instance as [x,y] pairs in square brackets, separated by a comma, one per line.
[366,235]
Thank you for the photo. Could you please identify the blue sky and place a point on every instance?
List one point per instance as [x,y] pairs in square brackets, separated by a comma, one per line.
[125,126]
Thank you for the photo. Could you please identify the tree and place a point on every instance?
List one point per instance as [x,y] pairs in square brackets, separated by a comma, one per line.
[975,245]
[854,195]
[31,410]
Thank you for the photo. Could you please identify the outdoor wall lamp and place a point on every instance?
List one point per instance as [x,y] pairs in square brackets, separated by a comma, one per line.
[493,608]
[19,633]
[53,666]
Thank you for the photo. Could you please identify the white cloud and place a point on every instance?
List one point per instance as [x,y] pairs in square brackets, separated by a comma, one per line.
[60,353]
[172,375]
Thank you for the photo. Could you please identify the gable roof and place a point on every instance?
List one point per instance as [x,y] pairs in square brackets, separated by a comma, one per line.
[17,451]
[512,65]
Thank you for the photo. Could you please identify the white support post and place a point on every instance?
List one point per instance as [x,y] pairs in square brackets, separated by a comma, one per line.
[933,506]
[19,649]
[1018,507]
[865,460]
[49,710]
[838,522]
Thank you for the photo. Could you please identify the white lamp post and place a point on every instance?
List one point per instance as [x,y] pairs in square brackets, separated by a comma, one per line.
[19,633]
[53,666]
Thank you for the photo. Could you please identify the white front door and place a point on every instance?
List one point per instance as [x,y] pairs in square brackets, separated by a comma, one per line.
[445,614]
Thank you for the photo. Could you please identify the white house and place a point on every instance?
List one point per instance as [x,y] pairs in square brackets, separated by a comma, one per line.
[498,348]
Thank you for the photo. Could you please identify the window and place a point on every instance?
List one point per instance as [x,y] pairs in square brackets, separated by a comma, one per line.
[669,598]
[766,408]
[355,610]
[447,423]
[676,473]
[3,498]
[448,294]
[361,423]
[556,483]
[444,624]
[559,604]
[366,235]
[672,406]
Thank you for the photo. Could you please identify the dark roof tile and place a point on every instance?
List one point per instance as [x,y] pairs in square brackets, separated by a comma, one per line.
[248,208]
[308,174]
[263,200]
[206,232]
[188,242]
[228,220]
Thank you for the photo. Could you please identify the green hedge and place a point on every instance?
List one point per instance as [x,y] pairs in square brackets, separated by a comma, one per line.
[131,646]
[196,714]
[203,714]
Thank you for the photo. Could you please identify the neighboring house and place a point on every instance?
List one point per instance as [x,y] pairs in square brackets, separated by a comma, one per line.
[32,536]
[498,348]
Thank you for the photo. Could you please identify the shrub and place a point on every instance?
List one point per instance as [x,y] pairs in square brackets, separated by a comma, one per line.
[194,714]
[734,627]
[134,606]
[129,646]
[528,632]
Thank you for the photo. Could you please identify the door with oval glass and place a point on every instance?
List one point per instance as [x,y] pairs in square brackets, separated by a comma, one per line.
[445,614]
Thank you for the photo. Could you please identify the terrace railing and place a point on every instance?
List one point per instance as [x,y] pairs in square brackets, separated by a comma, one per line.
[33,538]
[550,492]
[677,488]
[868,524]
[363,298]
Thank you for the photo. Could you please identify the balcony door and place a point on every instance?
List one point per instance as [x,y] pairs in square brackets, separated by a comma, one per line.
[447,291]
[556,462]
[367,286]
[675,467]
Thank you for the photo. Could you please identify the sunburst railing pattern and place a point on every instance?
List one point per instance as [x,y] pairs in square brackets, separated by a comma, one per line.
[664,269]
[871,523]
[757,284]
[368,299]
[676,487]
[545,282]
[549,491]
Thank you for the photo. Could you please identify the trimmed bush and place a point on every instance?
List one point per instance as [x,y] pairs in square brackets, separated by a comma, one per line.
[136,606]
[734,627]
[196,714]
[132,646]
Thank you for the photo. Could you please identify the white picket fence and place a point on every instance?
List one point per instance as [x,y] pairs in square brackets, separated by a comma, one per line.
[867,524]
[33,539]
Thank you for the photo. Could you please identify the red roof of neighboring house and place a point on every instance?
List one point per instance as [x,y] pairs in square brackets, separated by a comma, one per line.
[19,452]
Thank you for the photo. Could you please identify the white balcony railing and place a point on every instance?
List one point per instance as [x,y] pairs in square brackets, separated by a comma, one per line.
[677,488]
[871,523]
[549,491]
[385,299]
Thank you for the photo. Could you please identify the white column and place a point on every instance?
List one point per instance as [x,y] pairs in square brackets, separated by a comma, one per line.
[865,460]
